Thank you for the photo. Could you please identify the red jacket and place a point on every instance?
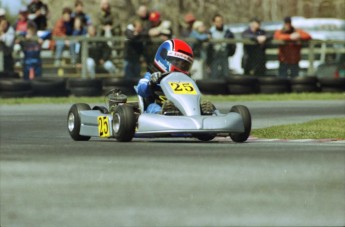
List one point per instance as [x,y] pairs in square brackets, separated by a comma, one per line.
[290,52]
[59,28]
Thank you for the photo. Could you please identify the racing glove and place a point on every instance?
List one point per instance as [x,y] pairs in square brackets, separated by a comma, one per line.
[155,77]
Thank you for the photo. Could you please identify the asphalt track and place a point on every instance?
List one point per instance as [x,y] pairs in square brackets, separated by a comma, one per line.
[49,180]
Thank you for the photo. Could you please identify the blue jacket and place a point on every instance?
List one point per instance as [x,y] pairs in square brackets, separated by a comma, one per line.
[144,86]
[32,51]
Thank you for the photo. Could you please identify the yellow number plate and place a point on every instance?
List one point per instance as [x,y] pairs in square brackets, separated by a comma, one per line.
[183,88]
[103,126]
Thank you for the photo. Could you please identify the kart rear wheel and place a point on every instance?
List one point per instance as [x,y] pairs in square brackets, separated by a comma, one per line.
[124,123]
[73,121]
[247,123]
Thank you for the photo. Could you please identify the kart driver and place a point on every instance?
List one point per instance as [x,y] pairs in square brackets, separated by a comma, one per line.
[172,55]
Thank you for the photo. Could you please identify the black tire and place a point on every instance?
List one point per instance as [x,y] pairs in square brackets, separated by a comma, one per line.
[73,121]
[332,82]
[207,108]
[299,88]
[274,89]
[213,86]
[119,82]
[9,75]
[242,84]
[124,123]
[272,80]
[308,80]
[273,85]
[242,80]
[239,89]
[332,89]
[14,85]
[88,83]
[15,94]
[247,123]
[86,91]
[53,87]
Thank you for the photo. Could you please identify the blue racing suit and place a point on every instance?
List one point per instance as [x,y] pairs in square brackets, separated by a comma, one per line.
[147,90]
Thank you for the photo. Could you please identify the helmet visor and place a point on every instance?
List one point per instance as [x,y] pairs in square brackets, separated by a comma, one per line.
[180,60]
[180,63]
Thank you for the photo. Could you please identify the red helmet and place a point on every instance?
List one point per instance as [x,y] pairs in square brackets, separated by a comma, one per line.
[174,55]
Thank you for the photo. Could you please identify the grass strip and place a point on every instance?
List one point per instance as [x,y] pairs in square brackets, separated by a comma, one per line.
[212,98]
[333,128]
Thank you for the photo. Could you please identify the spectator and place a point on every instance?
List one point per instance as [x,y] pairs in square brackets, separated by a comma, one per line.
[78,30]
[38,13]
[108,23]
[219,53]
[187,25]
[200,34]
[254,57]
[7,38]
[21,24]
[290,52]
[143,15]
[133,49]
[62,29]
[79,13]
[31,46]
[99,54]
[160,31]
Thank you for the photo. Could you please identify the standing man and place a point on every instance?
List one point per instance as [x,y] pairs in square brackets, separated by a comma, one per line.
[218,53]
[254,57]
[99,55]
[133,49]
[7,38]
[290,52]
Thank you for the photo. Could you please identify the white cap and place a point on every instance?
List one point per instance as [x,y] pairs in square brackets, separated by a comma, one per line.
[2,12]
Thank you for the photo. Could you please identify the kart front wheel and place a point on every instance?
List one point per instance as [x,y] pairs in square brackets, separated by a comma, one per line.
[73,121]
[124,123]
[247,123]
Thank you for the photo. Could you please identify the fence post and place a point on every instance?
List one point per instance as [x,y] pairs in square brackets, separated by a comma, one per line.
[84,55]
[311,58]
[1,61]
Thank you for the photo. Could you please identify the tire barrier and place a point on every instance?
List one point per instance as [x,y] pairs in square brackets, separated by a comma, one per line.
[304,84]
[242,85]
[234,85]
[273,85]
[49,87]
[332,84]
[85,87]
[213,86]
[15,88]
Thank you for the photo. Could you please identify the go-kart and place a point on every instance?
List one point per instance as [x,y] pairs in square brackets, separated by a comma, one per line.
[183,114]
